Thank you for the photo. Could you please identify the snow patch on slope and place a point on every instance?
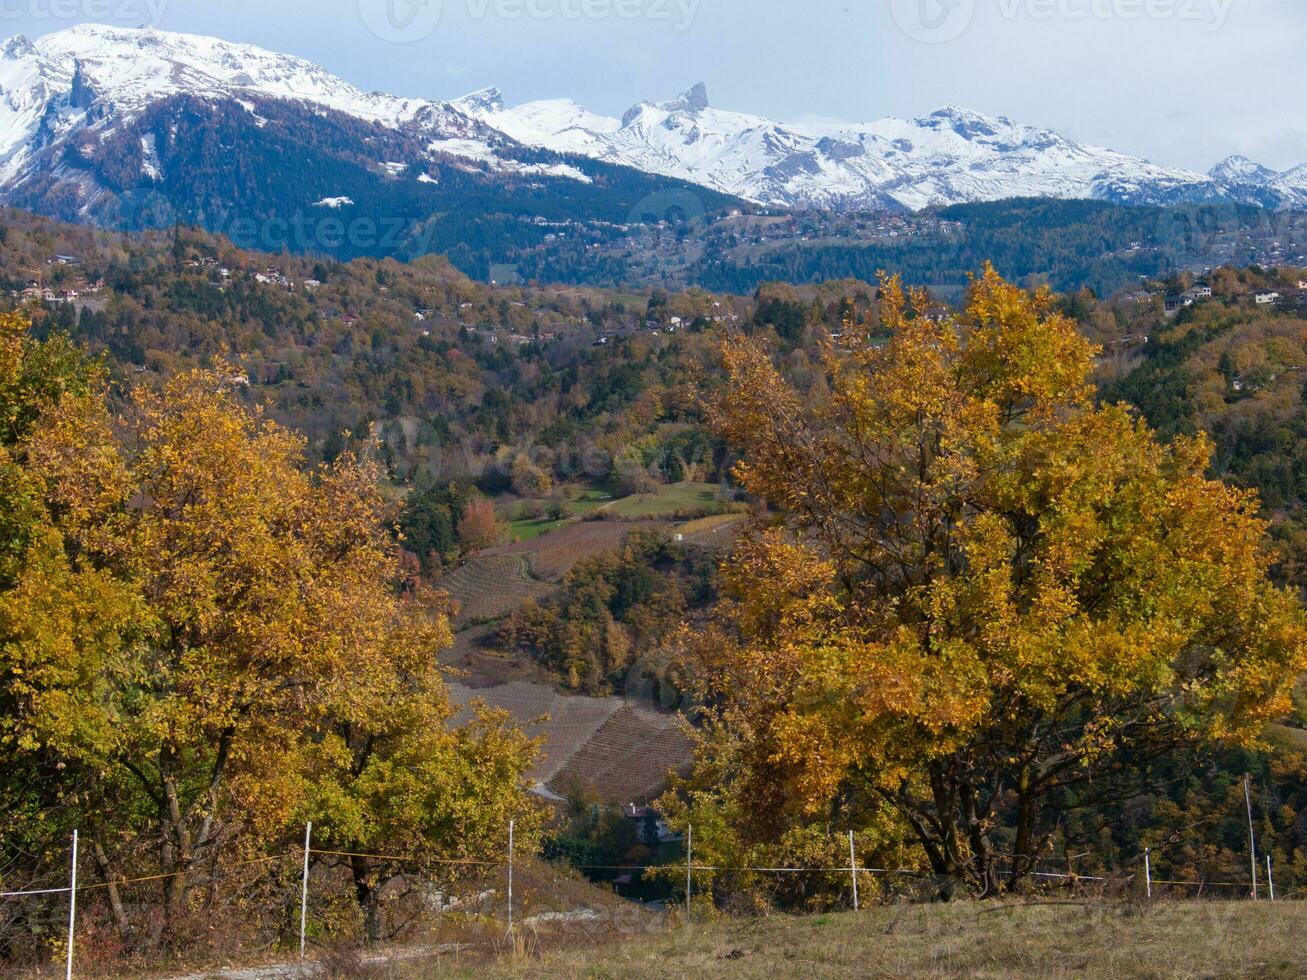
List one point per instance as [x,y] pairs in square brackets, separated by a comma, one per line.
[84,83]
[950,156]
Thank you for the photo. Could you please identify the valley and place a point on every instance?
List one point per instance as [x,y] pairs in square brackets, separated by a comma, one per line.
[605,535]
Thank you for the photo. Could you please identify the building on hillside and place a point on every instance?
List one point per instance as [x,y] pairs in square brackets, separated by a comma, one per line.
[1267,298]
[650,823]
[1175,303]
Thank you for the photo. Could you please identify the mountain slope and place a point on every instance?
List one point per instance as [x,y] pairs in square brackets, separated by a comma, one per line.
[89,76]
[138,128]
[948,157]
[141,128]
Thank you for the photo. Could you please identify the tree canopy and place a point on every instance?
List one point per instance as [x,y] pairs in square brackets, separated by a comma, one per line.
[979,598]
[205,641]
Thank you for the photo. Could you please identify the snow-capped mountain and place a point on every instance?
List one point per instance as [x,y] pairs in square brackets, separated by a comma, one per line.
[130,69]
[90,113]
[948,157]
[94,118]
[1244,180]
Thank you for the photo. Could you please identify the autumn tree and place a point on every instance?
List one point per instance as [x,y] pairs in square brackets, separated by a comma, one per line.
[203,639]
[982,596]
[480,527]
[528,479]
[385,773]
[68,626]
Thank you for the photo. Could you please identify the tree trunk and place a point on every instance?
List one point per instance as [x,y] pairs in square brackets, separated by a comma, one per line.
[367,890]
[1023,851]
[175,852]
[105,868]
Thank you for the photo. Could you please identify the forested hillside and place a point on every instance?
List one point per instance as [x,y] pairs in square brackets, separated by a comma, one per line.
[834,522]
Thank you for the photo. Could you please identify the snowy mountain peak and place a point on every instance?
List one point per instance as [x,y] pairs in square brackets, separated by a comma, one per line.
[953,155]
[1241,170]
[73,96]
[693,99]
[130,68]
[17,47]
[958,116]
[68,92]
[482,100]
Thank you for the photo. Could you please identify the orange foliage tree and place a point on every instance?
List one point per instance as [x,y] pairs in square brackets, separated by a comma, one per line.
[981,596]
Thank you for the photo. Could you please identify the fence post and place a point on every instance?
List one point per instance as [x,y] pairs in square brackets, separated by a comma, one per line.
[72,910]
[1270,881]
[304,885]
[853,871]
[689,849]
[510,875]
[1148,871]
[1252,840]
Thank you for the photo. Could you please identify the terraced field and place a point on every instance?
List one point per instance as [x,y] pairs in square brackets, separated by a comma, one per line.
[572,721]
[627,759]
[489,586]
[480,665]
[619,748]
[553,555]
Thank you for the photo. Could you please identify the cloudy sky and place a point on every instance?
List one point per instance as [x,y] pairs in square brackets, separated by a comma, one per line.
[1182,82]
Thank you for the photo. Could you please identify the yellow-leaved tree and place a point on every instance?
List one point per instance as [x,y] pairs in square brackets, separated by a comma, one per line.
[205,640]
[979,596]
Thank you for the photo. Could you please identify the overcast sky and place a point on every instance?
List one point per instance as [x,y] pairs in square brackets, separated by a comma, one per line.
[1182,82]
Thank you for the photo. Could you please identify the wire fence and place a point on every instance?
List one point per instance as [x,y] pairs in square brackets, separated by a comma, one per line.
[1260,883]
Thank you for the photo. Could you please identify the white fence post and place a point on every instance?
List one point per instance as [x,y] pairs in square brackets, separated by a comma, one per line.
[510,875]
[1252,840]
[1270,881]
[304,885]
[72,910]
[853,870]
[689,849]
[1148,871]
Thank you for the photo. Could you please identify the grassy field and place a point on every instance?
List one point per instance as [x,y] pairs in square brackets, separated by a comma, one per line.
[530,528]
[669,500]
[1053,940]
[665,503]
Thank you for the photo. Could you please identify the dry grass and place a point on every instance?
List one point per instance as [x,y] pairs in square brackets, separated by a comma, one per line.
[1099,940]
[718,530]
